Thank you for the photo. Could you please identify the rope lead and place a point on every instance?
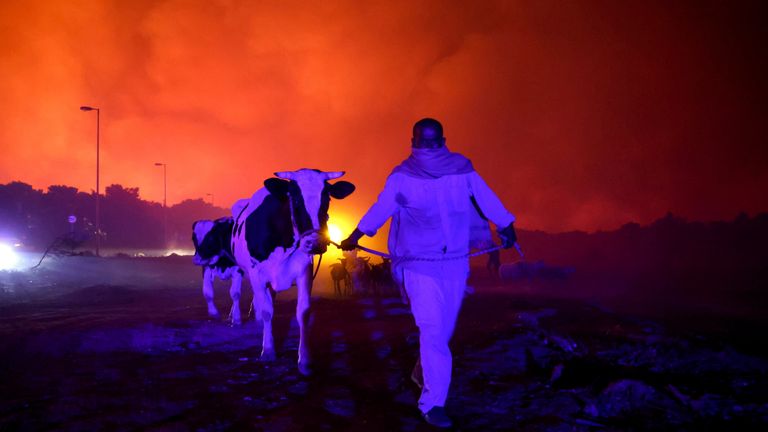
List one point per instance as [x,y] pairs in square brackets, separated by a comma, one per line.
[407,258]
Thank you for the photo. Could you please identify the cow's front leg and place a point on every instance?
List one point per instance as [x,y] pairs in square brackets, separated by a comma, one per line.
[262,303]
[234,294]
[304,287]
[208,276]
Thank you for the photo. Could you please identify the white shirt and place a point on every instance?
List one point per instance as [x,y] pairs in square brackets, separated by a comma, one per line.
[431,219]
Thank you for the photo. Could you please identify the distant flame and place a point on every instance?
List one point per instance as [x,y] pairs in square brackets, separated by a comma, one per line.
[182,252]
[334,232]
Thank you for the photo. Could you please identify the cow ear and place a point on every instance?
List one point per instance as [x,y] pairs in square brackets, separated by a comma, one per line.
[277,187]
[341,189]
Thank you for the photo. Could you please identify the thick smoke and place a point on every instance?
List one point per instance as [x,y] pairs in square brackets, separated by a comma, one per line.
[581,116]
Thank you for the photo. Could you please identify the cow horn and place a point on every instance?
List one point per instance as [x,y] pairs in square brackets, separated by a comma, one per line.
[288,175]
[333,175]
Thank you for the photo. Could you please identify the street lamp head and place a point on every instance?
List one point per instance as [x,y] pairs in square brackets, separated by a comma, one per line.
[87,108]
[159,164]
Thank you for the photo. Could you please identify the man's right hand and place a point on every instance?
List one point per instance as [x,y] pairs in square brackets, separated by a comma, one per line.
[350,243]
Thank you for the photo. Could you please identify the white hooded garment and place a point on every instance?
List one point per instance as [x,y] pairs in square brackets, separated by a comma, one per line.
[429,197]
[432,212]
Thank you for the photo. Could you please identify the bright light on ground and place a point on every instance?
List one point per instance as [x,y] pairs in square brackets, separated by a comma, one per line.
[8,257]
[179,252]
[334,232]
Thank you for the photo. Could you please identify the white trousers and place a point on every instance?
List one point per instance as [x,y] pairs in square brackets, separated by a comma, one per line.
[435,305]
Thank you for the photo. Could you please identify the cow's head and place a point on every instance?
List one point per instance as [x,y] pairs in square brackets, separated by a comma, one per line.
[210,238]
[309,195]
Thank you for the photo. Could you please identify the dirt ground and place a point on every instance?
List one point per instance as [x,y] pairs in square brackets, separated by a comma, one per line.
[125,344]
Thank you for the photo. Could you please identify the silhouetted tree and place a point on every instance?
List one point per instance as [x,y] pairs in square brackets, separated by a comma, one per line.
[182,215]
[128,221]
[21,214]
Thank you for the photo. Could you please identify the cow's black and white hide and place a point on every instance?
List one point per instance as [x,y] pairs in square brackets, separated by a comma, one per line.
[276,232]
[213,252]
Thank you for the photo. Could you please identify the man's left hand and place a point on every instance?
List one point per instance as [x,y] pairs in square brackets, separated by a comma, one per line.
[508,236]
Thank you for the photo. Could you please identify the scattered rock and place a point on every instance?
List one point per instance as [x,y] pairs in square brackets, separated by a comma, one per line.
[557,372]
[622,397]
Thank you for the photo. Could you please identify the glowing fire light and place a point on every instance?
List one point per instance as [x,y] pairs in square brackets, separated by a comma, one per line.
[181,252]
[8,257]
[334,232]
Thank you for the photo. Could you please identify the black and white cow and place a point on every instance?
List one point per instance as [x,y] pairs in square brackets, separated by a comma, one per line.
[276,232]
[213,252]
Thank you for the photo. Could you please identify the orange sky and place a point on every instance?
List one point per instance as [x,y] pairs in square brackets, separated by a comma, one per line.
[581,115]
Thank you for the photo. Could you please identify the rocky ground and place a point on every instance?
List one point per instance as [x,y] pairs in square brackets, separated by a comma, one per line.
[95,344]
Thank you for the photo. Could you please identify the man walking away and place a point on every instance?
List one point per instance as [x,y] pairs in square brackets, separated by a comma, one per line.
[431,197]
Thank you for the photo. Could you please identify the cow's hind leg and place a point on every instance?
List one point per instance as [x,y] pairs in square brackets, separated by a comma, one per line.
[304,287]
[234,294]
[262,303]
[208,293]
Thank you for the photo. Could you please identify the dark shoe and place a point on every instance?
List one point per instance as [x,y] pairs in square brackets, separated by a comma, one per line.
[437,417]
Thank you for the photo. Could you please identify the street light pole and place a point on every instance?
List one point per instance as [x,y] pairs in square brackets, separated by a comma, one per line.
[98,212]
[165,197]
